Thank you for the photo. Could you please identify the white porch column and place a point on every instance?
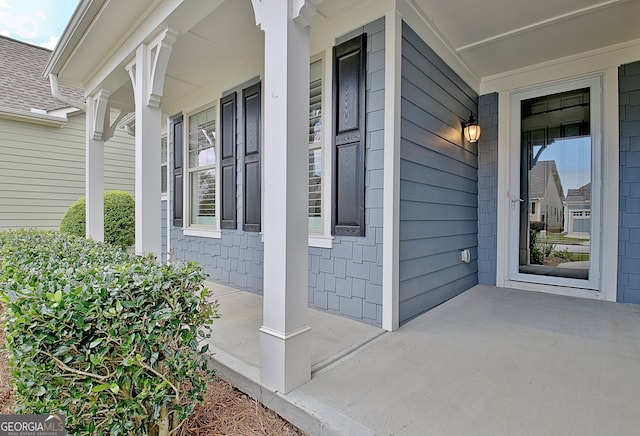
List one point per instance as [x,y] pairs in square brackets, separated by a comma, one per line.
[94,175]
[285,361]
[147,72]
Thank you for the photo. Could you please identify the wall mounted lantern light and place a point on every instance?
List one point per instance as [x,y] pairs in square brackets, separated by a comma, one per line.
[471,129]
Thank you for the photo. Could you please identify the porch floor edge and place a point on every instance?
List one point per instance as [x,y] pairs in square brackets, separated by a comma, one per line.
[308,414]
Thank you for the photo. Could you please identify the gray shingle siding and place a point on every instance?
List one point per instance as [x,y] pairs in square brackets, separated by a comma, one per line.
[629,205]
[235,259]
[438,181]
[488,189]
[347,279]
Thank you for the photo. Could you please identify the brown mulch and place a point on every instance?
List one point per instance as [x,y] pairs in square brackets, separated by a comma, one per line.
[6,401]
[226,410]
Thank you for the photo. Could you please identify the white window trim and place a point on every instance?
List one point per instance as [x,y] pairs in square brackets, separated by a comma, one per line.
[194,229]
[323,238]
[191,231]
[320,241]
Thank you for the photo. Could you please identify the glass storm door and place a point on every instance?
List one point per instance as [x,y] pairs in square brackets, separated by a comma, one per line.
[554,216]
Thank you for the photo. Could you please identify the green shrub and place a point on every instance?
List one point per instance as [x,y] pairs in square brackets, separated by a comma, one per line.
[119,218]
[110,339]
[539,251]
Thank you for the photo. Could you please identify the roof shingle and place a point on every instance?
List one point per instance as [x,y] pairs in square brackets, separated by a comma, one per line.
[22,85]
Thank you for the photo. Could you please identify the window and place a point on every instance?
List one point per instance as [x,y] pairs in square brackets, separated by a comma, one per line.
[202,168]
[163,165]
[533,208]
[315,148]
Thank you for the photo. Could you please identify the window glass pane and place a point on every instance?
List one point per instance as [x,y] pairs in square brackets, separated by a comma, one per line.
[315,189]
[555,188]
[202,138]
[315,103]
[203,197]
[202,168]
[163,179]
[163,164]
[163,150]
[315,146]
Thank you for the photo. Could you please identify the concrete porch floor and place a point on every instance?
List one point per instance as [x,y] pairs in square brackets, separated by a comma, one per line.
[491,361]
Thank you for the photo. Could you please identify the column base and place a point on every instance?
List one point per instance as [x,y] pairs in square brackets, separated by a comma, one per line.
[285,359]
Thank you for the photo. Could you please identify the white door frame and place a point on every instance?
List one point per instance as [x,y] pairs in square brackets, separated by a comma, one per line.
[603,284]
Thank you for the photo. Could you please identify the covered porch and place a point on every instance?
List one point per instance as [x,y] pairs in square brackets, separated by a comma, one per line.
[490,361]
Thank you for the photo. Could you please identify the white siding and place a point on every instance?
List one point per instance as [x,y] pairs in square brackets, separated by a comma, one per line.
[42,170]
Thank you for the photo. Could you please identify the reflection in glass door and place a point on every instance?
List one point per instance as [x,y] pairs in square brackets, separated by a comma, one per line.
[555,185]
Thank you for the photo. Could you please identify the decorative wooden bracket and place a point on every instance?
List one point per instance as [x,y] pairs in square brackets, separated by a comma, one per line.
[157,55]
[103,127]
[100,114]
[302,11]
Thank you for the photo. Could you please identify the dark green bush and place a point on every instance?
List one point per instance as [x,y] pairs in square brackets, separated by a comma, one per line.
[110,339]
[119,218]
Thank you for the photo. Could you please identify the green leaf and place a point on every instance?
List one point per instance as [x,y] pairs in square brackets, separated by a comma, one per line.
[100,388]
[96,342]
[147,313]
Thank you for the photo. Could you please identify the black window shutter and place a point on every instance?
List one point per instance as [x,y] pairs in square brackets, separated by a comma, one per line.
[178,170]
[349,90]
[252,186]
[228,161]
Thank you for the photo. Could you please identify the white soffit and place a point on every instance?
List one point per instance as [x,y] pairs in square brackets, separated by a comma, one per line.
[107,33]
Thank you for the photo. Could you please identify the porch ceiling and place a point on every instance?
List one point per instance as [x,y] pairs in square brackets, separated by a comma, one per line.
[495,36]
[213,50]
[217,37]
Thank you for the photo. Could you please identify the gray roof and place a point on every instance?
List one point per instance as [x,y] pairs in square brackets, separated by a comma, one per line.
[22,85]
[539,178]
[583,193]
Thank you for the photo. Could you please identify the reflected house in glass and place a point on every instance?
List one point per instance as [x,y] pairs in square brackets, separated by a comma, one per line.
[578,212]
[546,197]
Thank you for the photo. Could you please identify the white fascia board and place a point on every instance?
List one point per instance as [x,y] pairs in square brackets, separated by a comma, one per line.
[83,15]
[32,117]
[65,112]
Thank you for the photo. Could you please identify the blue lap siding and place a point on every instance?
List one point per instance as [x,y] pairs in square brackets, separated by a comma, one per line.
[438,181]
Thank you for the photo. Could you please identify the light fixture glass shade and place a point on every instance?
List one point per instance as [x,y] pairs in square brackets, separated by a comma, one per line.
[472,129]
[472,132]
